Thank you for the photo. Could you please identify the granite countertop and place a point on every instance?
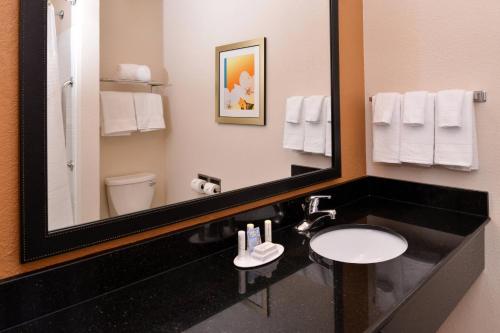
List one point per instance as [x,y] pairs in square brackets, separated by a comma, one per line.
[292,294]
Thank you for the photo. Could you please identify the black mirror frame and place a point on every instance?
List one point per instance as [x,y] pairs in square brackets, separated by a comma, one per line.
[36,241]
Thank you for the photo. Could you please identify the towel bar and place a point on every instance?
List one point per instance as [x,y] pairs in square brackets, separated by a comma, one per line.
[480,96]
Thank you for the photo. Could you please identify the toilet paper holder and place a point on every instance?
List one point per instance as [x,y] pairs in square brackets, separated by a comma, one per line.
[210,179]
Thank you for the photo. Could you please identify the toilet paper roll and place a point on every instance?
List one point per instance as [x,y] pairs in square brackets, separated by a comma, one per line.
[211,188]
[197,185]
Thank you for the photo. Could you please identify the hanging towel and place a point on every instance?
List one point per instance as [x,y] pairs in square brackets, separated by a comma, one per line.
[117,113]
[386,138]
[384,107]
[133,72]
[456,147]
[417,142]
[149,112]
[328,124]
[293,109]
[449,106]
[313,108]
[293,131]
[414,108]
[315,129]
[59,204]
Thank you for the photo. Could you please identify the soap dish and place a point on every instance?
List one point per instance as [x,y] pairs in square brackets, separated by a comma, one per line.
[247,261]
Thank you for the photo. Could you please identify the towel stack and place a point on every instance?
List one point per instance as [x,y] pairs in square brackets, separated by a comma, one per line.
[308,124]
[124,112]
[425,129]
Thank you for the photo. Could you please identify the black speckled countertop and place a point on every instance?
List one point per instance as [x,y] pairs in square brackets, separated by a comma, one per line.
[294,293]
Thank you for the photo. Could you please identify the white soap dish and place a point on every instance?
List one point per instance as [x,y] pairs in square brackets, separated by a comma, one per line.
[247,261]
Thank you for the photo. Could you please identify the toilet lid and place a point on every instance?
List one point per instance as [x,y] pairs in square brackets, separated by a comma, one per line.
[129,179]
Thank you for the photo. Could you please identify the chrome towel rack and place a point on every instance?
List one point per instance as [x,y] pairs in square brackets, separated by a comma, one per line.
[480,96]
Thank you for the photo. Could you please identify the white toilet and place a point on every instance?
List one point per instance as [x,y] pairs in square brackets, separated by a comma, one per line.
[130,193]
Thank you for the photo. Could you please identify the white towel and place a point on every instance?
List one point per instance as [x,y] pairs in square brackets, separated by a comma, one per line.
[417,142]
[313,108]
[384,107]
[293,131]
[449,106]
[456,147]
[117,113]
[315,129]
[133,72]
[294,109]
[386,138]
[149,112]
[414,108]
[328,124]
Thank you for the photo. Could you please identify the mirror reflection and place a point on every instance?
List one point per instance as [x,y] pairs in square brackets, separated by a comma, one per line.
[155,102]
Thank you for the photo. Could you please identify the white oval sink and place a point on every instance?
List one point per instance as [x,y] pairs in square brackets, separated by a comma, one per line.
[358,244]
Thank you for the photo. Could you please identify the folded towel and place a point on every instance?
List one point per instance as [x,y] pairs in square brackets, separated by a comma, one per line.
[149,112]
[449,107]
[414,108]
[117,113]
[133,72]
[315,130]
[293,109]
[456,147]
[386,138]
[313,108]
[417,142]
[293,134]
[328,124]
[384,107]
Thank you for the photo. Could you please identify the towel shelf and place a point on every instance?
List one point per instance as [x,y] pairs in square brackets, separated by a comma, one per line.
[480,96]
[151,84]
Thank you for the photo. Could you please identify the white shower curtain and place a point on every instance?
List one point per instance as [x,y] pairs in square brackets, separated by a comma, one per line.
[60,209]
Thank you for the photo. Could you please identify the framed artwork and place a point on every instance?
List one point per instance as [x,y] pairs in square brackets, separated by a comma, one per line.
[240,81]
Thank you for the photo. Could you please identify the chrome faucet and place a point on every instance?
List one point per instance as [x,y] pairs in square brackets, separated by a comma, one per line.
[313,214]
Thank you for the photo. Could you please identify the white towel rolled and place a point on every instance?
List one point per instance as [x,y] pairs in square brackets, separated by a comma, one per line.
[149,112]
[117,113]
[386,132]
[384,107]
[417,142]
[449,106]
[414,108]
[133,72]
[456,147]
[315,129]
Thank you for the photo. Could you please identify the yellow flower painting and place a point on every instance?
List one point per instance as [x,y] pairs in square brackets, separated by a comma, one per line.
[240,83]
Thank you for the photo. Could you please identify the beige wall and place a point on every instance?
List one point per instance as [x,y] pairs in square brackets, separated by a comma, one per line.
[298,63]
[132,32]
[352,134]
[434,45]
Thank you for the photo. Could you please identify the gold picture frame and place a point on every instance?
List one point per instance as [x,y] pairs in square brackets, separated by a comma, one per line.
[240,83]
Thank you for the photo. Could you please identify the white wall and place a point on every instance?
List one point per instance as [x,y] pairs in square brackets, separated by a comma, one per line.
[298,63]
[429,44]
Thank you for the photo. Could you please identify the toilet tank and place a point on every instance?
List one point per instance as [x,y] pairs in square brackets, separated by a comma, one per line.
[130,193]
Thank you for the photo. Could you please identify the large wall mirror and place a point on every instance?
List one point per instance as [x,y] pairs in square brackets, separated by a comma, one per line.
[140,113]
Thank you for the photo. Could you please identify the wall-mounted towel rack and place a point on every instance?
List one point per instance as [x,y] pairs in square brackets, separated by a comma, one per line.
[151,84]
[480,96]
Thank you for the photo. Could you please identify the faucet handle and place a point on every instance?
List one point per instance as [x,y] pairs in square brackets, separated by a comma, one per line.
[317,197]
[313,201]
